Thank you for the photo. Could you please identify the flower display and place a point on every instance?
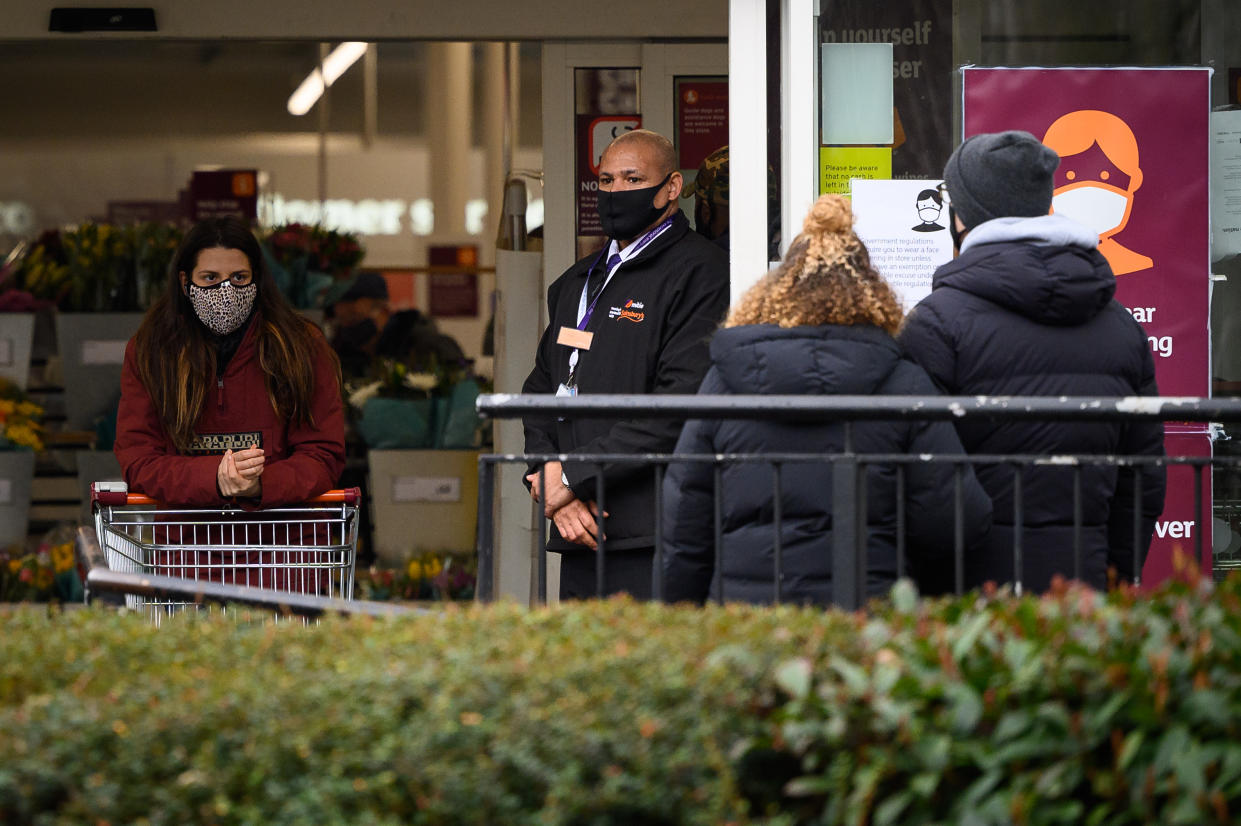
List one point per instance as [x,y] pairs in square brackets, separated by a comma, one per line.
[405,409]
[21,426]
[99,267]
[316,248]
[49,572]
[443,576]
[397,381]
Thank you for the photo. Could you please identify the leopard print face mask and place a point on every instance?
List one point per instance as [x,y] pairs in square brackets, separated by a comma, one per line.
[222,308]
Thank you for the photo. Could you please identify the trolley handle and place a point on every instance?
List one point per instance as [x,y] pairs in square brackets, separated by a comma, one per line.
[117,493]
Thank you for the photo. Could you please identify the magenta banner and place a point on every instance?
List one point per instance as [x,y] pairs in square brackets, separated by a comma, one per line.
[701,119]
[1180,527]
[1134,147]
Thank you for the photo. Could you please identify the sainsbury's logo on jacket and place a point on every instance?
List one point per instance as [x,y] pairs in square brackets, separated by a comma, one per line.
[631,311]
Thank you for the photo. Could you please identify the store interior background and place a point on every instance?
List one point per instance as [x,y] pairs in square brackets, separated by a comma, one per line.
[92,118]
[106,120]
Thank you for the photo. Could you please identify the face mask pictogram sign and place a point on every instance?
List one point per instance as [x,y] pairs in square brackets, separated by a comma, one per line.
[1134,147]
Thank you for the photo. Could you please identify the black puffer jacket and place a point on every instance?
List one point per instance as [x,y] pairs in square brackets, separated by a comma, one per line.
[770,360]
[1027,310]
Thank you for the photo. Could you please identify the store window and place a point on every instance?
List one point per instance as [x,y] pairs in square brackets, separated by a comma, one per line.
[1163,208]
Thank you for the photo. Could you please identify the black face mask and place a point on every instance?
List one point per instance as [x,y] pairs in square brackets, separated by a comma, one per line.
[957,234]
[626,213]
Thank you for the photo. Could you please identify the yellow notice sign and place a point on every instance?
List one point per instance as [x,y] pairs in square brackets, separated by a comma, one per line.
[840,164]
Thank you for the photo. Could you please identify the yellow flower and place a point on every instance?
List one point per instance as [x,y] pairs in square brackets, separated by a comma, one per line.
[425,568]
[62,557]
[43,578]
[24,435]
[15,565]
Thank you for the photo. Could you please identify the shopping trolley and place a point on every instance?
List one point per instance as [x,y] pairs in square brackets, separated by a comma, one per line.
[307,549]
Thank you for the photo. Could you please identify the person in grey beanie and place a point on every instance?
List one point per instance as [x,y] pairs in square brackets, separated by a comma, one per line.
[1026,308]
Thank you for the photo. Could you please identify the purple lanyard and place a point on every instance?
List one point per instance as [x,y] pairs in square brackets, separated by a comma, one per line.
[638,245]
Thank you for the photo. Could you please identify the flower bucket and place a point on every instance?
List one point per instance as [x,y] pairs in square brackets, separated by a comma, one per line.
[16,341]
[16,475]
[389,424]
[457,419]
[92,350]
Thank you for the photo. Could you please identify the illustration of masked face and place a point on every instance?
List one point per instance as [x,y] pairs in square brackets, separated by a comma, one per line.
[1102,207]
[928,211]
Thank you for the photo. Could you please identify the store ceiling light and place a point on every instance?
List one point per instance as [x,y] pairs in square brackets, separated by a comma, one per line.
[334,65]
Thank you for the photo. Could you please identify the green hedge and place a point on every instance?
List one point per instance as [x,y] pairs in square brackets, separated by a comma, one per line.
[1076,708]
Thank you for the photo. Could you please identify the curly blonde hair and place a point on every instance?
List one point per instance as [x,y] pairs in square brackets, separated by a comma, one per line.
[826,278]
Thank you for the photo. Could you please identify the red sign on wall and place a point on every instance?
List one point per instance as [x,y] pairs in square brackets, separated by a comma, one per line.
[701,119]
[594,133]
[1134,147]
[1179,529]
[453,294]
[223,192]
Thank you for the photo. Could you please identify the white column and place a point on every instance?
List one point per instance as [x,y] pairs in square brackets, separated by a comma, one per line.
[370,95]
[494,129]
[449,105]
[747,141]
[799,178]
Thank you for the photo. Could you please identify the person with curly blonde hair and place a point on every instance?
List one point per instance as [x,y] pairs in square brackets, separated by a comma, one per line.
[821,323]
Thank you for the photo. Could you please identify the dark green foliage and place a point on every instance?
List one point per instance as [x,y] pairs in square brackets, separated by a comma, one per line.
[1077,708]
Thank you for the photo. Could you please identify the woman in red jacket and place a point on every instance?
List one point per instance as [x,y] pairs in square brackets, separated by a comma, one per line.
[228,395]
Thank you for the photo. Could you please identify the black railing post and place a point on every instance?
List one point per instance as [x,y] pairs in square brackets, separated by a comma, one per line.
[540,530]
[486,530]
[718,529]
[958,528]
[844,534]
[1018,529]
[657,569]
[601,564]
[1077,522]
[901,527]
[1137,525]
[1198,515]
[777,517]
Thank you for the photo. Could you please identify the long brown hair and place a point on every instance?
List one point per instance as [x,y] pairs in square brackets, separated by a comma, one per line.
[176,358]
[826,278]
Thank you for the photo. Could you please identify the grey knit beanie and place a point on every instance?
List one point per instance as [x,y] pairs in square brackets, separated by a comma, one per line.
[1000,175]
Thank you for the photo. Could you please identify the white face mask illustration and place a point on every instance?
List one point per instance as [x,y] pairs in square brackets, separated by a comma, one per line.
[929,214]
[1102,208]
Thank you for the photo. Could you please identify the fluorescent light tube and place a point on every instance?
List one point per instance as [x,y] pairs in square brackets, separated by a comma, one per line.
[334,65]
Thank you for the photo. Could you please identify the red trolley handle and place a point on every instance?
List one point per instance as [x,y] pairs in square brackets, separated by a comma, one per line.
[105,496]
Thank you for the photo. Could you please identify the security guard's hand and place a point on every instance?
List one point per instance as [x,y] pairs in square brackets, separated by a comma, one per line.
[577,523]
[558,494]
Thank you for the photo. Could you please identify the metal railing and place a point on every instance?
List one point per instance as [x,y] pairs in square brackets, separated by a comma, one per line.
[849,489]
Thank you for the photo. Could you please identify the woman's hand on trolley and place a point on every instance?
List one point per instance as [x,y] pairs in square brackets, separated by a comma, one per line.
[239,472]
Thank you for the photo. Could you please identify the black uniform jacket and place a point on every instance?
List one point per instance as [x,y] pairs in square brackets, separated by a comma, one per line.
[651,327]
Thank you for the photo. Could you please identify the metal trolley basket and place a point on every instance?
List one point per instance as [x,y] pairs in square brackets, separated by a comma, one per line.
[307,549]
